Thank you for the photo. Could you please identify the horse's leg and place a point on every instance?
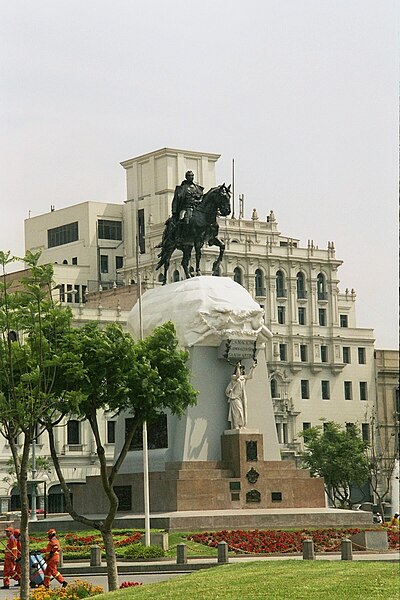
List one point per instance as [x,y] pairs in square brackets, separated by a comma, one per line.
[186,252]
[217,242]
[197,248]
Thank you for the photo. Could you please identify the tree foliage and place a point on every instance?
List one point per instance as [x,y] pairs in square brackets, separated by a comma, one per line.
[339,456]
[114,373]
[31,365]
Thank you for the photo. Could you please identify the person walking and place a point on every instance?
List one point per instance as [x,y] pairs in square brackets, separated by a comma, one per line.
[10,556]
[52,557]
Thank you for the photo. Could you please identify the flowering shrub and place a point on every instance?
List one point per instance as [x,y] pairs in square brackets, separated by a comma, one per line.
[271,541]
[74,591]
[134,551]
[126,584]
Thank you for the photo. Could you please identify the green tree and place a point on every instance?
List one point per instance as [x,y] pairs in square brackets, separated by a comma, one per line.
[339,456]
[31,328]
[115,373]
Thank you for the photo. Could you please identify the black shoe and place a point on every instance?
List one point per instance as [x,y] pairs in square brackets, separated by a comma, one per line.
[64,584]
[5,587]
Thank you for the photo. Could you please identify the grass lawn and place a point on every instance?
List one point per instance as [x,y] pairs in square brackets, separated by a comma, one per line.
[278,580]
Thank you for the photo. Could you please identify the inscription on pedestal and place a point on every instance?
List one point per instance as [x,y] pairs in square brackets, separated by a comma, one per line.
[237,349]
[251,450]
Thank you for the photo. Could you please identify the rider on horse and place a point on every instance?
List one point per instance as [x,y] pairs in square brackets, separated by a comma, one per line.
[186,197]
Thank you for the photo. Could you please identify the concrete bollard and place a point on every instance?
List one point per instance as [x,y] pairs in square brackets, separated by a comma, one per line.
[181,554]
[61,559]
[223,552]
[95,556]
[347,550]
[308,550]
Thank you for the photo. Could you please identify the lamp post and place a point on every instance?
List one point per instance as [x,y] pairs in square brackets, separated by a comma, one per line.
[146,490]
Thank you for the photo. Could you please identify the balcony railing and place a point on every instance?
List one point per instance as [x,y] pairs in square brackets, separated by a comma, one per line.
[281,293]
[301,294]
[261,291]
[322,295]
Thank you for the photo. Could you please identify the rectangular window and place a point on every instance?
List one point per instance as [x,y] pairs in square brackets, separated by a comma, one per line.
[69,293]
[109,230]
[103,263]
[325,390]
[344,320]
[348,390]
[281,315]
[365,432]
[305,389]
[62,292]
[157,434]
[302,315]
[73,432]
[361,356]
[306,426]
[285,432]
[76,295]
[303,353]
[141,231]
[124,495]
[65,234]
[324,354]
[111,432]
[84,289]
[363,390]
[119,262]
[74,260]
[322,316]
[283,351]
[346,355]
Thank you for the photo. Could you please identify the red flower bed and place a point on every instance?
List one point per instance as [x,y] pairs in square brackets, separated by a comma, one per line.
[126,584]
[393,538]
[132,539]
[270,541]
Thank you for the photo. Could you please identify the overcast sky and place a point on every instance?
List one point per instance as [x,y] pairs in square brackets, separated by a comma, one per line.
[301,93]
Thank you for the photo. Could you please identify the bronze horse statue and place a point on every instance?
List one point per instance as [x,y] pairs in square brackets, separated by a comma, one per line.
[202,227]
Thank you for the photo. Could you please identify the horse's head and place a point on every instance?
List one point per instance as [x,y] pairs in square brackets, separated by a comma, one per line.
[224,200]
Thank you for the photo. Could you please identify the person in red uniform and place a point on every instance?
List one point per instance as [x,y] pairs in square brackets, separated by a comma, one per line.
[17,535]
[10,556]
[52,557]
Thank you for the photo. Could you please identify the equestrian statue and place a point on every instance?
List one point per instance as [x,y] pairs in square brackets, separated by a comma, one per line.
[194,223]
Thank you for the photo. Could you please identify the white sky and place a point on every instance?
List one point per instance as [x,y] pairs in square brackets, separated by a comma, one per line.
[301,93]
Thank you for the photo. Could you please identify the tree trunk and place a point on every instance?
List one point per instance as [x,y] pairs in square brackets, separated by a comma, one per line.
[112,570]
[22,476]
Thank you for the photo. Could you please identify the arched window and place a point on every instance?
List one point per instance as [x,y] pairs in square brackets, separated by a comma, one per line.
[56,500]
[238,275]
[160,278]
[259,282]
[65,262]
[321,287]
[175,275]
[301,285]
[280,285]
[274,388]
